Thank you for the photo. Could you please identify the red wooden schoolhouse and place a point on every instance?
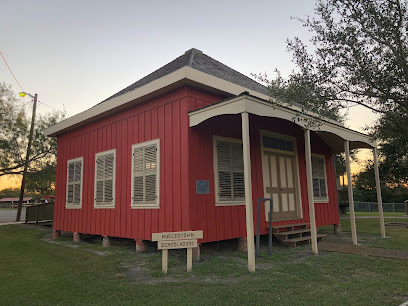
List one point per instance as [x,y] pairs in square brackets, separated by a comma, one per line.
[192,146]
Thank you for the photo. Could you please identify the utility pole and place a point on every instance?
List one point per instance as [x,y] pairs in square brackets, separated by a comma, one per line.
[30,139]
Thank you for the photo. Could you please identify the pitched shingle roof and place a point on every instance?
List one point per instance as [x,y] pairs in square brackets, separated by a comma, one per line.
[197,60]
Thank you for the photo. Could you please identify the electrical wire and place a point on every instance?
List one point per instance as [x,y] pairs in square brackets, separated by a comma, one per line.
[11,72]
[22,87]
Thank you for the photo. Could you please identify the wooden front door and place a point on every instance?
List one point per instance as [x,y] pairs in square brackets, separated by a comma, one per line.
[279,180]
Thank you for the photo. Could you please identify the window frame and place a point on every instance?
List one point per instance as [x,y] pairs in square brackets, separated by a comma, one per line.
[104,205]
[321,199]
[146,205]
[219,202]
[72,205]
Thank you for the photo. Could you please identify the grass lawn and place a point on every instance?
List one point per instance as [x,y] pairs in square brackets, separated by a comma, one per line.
[370,232]
[34,271]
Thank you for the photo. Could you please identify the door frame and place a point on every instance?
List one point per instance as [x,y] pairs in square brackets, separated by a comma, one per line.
[298,203]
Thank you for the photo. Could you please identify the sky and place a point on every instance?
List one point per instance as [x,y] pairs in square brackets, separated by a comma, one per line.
[74,54]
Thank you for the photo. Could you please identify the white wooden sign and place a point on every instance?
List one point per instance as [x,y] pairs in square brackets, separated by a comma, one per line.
[178,244]
[177,240]
[177,235]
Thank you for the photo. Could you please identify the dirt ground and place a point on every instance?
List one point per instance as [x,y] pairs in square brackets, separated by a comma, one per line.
[363,250]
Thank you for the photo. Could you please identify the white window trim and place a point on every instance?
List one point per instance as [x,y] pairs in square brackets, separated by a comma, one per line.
[104,205]
[279,136]
[216,176]
[70,205]
[296,163]
[326,199]
[157,204]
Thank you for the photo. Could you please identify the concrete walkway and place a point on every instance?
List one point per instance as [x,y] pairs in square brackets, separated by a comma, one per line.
[8,223]
[363,250]
[9,215]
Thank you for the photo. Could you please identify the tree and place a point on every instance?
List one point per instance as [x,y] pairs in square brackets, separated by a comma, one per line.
[9,193]
[359,57]
[365,191]
[42,181]
[14,130]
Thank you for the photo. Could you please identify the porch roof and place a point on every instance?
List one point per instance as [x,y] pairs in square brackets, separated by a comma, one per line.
[332,132]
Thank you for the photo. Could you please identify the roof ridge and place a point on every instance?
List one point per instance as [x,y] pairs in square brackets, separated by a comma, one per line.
[193,52]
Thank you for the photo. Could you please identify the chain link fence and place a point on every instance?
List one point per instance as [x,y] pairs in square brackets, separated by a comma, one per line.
[373,207]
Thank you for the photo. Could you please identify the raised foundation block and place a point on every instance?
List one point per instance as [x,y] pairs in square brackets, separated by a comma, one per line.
[337,229]
[76,237]
[55,234]
[140,246]
[106,241]
[196,254]
[242,244]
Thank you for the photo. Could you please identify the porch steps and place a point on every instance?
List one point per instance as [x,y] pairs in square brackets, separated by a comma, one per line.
[294,234]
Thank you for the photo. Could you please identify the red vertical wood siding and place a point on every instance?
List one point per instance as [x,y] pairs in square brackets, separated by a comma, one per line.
[165,118]
[186,155]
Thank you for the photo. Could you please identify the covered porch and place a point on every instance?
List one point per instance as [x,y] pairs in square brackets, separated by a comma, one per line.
[335,136]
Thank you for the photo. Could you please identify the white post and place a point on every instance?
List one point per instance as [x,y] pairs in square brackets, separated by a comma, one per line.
[248,192]
[350,193]
[378,187]
[308,156]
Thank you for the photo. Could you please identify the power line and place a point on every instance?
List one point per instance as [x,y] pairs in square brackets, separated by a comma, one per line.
[22,87]
[11,72]
[52,107]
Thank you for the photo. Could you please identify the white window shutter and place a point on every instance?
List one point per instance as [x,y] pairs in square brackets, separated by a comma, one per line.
[99,179]
[145,174]
[138,173]
[230,165]
[224,171]
[105,164]
[150,173]
[74,182]
[109,168]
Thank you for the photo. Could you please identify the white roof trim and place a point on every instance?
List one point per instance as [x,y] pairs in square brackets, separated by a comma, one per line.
[253,105]
[136,96]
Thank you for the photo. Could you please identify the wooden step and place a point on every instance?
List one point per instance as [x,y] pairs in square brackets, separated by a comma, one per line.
[287,233]
[304,238]
[288,225]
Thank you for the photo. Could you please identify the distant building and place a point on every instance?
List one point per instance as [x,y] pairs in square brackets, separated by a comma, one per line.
[13,202]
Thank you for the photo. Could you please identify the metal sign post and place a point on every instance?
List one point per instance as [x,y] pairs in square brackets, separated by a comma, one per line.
[258,226]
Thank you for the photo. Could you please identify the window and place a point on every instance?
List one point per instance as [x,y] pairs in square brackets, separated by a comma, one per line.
[277,143]
[146,174]
[319,178]
[229,171]
[74,183]
[105,173]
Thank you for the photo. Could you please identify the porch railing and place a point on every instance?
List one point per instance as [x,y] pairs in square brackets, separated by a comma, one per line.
[40,213]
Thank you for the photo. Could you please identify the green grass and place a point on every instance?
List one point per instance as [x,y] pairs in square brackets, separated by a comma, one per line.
[35,272]
[369,233]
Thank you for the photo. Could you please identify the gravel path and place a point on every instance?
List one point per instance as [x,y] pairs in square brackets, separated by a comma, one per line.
[363,250]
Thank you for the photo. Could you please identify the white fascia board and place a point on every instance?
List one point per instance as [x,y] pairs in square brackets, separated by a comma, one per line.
[265,109]
[223,85]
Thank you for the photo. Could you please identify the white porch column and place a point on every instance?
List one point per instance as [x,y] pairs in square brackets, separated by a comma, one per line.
[248,191]
[350,193]
[308,156]
[378,187]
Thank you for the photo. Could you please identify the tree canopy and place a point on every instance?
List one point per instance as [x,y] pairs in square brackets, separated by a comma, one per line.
[14,131]
[358,55]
